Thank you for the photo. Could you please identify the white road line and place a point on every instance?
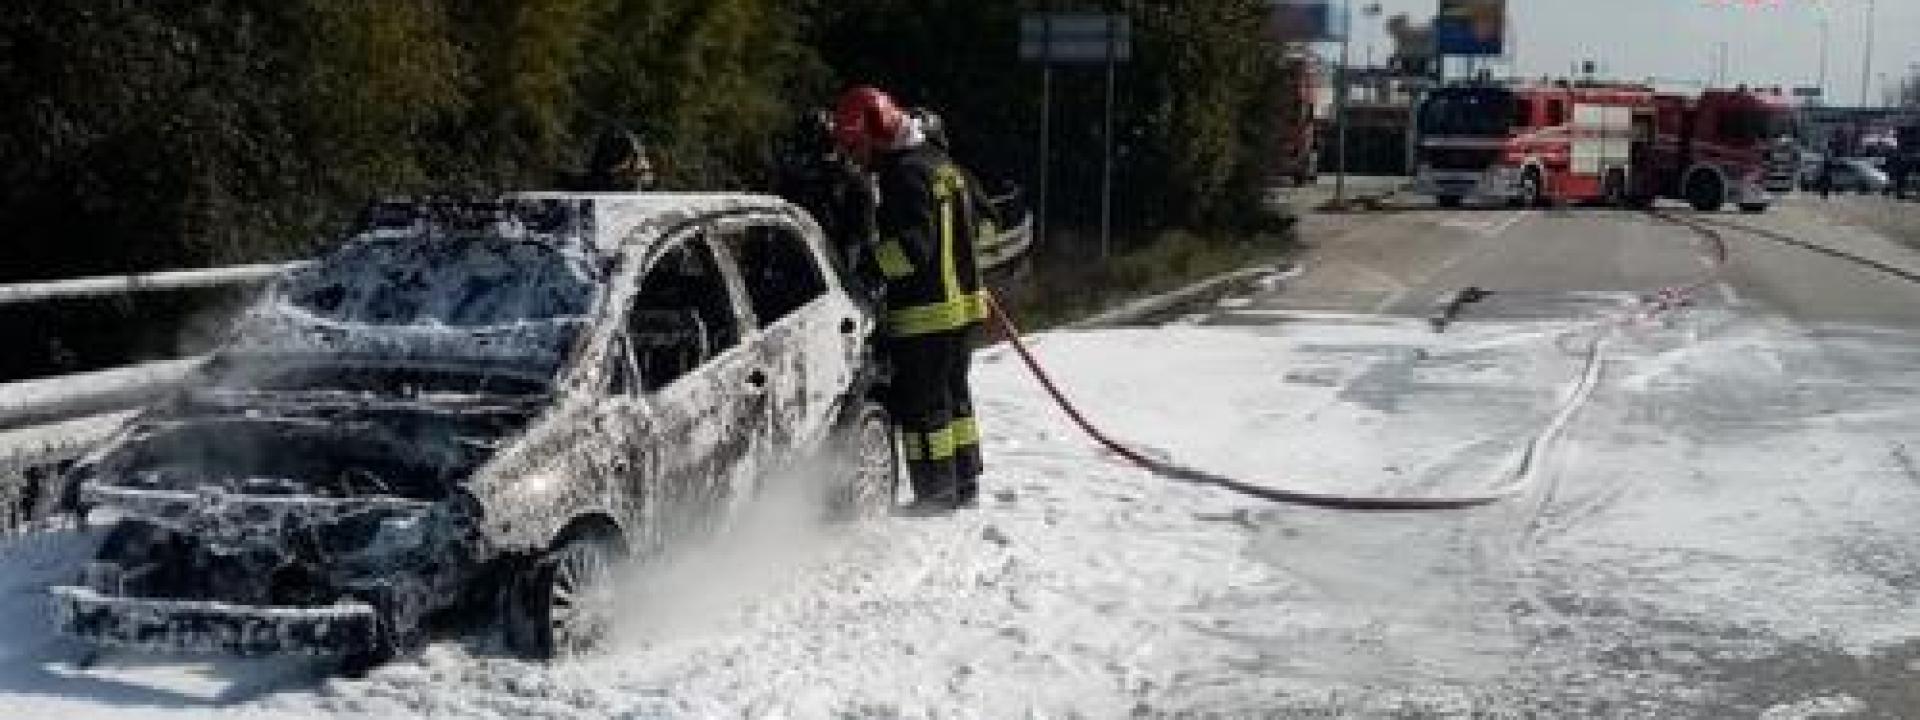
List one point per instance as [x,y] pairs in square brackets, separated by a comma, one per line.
[1504,226]
[1451,263]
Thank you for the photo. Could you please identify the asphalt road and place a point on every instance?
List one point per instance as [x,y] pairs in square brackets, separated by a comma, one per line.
[1726,527]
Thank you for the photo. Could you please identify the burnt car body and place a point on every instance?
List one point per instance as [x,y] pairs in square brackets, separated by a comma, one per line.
[492,400]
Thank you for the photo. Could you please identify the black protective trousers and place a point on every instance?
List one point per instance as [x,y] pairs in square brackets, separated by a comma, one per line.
[932,403]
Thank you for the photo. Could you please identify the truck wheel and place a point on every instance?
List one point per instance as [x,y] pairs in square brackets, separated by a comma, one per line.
[1533,189]
[1614,190]
[867,487]
[1705,193]
[1448,201]
[562,602]
[1753,208]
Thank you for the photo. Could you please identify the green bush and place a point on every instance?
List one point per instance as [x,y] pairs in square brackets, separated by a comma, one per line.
[168,133]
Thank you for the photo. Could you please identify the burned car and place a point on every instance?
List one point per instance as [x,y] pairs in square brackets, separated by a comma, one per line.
[482,405]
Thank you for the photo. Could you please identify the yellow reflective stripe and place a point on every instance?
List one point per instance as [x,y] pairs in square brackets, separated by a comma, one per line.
[893,260]
[949,269]
[914,445]
[965,432]
[929,318]
[977,305]
[940,444]
[938,316]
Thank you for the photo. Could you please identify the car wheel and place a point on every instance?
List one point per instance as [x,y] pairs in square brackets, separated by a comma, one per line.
[1753,208]
[868,486]
[1705,193]
[1449,201]
[563,603]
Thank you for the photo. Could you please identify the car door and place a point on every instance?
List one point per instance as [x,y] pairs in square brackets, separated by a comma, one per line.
[810,329]
[699,391]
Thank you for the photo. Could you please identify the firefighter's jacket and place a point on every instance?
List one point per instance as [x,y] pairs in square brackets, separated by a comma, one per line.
[927,221]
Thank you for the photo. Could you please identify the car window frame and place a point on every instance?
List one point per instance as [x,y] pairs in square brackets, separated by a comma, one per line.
[732,227]
[830,280]
[620,312]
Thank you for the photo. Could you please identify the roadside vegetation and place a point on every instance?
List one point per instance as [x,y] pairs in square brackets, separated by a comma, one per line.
[1058,289]
[190,133]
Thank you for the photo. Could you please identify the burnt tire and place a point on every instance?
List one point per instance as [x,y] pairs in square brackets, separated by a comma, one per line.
[1705,192]
[869,484]
[562,603]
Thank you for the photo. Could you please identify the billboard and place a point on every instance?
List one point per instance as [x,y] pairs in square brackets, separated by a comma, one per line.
[1307,21]
[1471,27]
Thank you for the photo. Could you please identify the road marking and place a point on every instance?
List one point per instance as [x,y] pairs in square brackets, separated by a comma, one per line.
[1451,263]
[1508,224]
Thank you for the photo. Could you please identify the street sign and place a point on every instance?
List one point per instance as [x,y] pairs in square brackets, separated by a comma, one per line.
[1471,28]
[1809,93]
[1076,38]
[1306,21]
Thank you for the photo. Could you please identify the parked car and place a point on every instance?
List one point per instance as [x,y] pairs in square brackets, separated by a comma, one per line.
[1849,175]
[482,407]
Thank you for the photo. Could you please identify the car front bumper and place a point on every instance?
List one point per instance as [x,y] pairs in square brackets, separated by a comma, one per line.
[211,626]
[1493,183]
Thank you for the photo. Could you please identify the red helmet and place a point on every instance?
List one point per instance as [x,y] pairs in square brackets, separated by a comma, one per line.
[866,118]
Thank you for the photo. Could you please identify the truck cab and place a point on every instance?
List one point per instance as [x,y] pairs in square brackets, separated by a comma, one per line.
[1739,149]
[1462,134]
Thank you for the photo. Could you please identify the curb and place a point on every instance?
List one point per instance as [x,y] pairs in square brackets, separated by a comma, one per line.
[1147,307]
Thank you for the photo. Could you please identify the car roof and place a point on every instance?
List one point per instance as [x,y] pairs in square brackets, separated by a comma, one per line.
[622,219]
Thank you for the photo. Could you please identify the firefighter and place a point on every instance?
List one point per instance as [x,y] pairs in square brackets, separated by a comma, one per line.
[619,163]
[935,129]
[926,222]
[814,175]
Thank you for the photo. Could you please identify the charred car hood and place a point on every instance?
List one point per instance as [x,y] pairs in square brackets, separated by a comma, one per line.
[311,444]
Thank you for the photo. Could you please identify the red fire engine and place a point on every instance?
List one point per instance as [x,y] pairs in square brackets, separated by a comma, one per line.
[1617,144]
[1722,147]
[1296,151]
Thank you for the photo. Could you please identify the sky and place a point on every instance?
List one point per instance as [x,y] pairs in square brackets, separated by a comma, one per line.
[1769,42]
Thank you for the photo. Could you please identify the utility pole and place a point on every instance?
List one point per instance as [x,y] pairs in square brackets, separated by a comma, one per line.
[1106,155]
[1866,63]
[1719,64]
[1340,106]
[1825,36]
[1046,136]
[1341,94]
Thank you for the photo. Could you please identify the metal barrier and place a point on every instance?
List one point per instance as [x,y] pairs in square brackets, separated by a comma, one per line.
[47,422]
[141,282]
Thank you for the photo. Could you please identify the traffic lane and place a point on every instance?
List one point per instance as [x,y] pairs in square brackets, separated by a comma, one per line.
[1376,262]
[1554,264]
[1570,251]
[1810,287]
[1725,531]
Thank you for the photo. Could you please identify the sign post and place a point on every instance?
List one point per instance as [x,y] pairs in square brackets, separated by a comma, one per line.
[1077,39]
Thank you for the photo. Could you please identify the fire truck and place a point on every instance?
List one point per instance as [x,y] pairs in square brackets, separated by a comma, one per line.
[1296,151]
[1721,147]
[1616,144]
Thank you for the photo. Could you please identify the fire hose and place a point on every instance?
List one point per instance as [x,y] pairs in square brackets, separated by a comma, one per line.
[1518,480]
[1177,471]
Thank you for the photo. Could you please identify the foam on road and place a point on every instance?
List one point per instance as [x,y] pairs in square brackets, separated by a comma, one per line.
[1726,530]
